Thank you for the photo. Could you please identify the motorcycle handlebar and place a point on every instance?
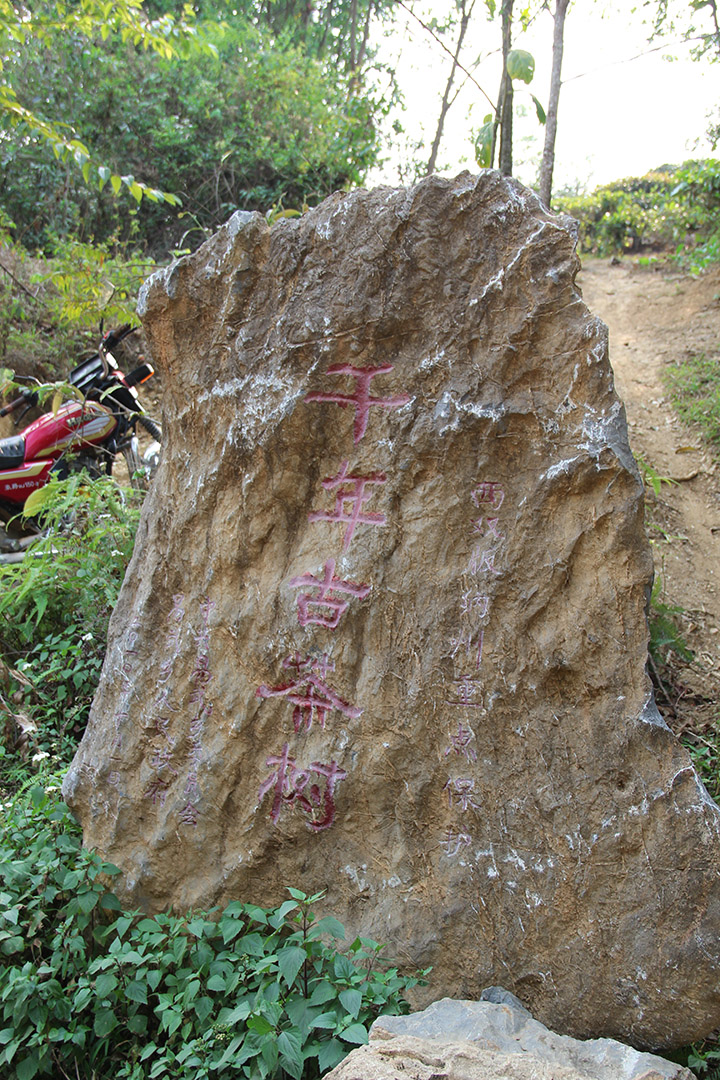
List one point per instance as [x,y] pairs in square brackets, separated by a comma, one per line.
[114,337]
[28,397]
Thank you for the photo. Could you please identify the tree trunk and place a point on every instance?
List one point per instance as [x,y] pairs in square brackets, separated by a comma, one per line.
[465,19]
[548,158]
[505,103]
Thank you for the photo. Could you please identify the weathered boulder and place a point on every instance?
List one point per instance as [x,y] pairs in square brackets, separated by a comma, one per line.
[384,630]
[488,1040]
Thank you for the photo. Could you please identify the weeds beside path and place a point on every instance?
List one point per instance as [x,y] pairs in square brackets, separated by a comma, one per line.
[659,318]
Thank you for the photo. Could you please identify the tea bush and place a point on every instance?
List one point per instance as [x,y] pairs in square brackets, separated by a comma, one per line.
[674,207]
[90,992]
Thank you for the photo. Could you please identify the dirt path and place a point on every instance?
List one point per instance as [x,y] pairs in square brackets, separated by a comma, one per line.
[656,316]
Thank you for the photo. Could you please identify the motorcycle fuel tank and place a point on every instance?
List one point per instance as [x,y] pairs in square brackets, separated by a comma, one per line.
[74,424]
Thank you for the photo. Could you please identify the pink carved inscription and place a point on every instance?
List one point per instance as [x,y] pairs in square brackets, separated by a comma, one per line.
[361,399]
[312,788]
[475,604]
[461,790]
[157,790]
[461,744]
[454,841]
[325,608]
[311,696]
[482,561]
[188,815]
[349,501]
[490,528]
[489,492]
[467,644]
[465,687]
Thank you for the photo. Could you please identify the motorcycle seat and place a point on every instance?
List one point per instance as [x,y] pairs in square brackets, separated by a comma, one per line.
[12,452]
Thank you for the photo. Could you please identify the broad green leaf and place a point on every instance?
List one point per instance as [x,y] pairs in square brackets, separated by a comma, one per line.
[325,1021]
[324,991]
[110,902]
[27,1069]
[230,1052]
[521,65]
[230,1017]
[116,183]
[171,1020]
[289,1046]
[251,945]
[202,1007]
[302,1015]
[121,925]
[290,960]
[269,1052]
[105,984]
[352,1001]
[257,1023]
[328,925]
[344,968]
[137,991]
[56,402]
[230,928]
[330,1054]
[105,1022]
[87,901]
[285,908]
[356,1033]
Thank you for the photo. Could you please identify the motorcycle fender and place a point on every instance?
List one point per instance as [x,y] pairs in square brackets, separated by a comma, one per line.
[75,424]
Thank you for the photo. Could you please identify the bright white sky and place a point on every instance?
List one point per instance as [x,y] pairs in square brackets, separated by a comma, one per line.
[619,119]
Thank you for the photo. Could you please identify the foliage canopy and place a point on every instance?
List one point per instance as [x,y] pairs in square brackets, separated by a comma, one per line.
[262,115]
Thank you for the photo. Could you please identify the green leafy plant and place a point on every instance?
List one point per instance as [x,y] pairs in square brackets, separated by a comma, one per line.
[88,284]
[702,1058]
[666,637]
[672,208]
[54,611]
[89,991]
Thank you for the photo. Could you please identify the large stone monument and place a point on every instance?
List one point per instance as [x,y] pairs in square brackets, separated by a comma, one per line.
[384,630]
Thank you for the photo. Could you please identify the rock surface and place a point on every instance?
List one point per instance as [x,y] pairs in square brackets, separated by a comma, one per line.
[492,1039]
[384,634]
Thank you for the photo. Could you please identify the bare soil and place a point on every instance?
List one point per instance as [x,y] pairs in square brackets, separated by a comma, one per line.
[656,316]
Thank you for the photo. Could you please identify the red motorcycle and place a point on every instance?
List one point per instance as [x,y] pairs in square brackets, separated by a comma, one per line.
[88,433]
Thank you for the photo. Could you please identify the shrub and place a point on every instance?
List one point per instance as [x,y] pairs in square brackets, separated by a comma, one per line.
[54,611]
[89,991]
[673,207]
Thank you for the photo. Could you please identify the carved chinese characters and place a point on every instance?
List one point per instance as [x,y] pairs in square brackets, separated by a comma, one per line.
[323,602]
[383,636]
[467,655]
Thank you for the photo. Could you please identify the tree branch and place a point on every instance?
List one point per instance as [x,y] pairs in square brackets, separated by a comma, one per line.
[443,46]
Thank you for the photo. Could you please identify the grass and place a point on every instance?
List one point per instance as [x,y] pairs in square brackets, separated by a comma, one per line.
[694,388]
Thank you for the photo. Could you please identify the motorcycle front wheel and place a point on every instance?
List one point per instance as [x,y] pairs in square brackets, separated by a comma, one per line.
[138,474]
